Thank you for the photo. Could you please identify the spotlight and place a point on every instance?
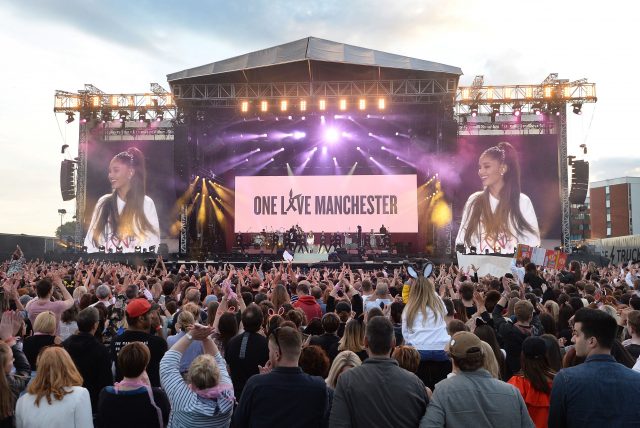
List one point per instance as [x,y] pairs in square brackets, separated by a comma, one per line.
[159,117]
[258,149]
[105,115]
[495,109]
[362,104]
[577,108]
[345,134]
[474,110]
[308,159]
[334,158]
[381,104]
[244,106]
[298,135]
[555,110]
[358,148]
[331,135]
[264,106]
[138,249]
[517,110]
[398,157]
[152,249]
[303,106]
[123,115]
[537,109]
[343,104]
[370,157]
[70,117]
[324,150]
[370,134]
[283,105]
[315,149]
[397,133]
[322,105]
[290,117]
[303,118]
[322,120]
[382,148]
[271,159]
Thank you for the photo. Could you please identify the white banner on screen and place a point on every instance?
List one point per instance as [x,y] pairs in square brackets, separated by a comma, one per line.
[327,203]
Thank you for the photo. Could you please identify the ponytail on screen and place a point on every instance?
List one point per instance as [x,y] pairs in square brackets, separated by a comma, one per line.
[508,210]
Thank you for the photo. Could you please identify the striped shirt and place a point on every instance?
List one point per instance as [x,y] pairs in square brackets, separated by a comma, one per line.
[187,408]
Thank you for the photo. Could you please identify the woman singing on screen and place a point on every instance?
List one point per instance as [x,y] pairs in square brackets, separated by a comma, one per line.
[125,218]
[499,217]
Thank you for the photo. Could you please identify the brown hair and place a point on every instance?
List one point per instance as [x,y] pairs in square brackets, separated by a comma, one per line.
[633,320]
[56,372]
[133,359]
[508,211]
[314,361]
[407,357]
[279,296]
[523,310]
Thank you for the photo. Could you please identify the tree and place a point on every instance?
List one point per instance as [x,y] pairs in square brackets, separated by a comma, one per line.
[67,229]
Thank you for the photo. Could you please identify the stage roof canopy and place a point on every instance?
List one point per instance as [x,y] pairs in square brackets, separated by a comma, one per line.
[313,59]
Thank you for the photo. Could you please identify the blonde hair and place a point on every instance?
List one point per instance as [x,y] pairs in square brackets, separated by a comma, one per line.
[489,362]
[553,308]
[353,337]
[422,295]
[56,373]
[79,292]
[203,372]
[46,322]
[193,309]
[185,320]
[342,360]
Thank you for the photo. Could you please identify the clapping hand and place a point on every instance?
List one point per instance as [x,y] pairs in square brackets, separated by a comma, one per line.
[200,332]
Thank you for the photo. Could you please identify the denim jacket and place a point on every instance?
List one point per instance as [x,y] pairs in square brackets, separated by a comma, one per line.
[598,393]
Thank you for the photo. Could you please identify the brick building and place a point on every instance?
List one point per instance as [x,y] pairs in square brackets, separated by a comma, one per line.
[614,207]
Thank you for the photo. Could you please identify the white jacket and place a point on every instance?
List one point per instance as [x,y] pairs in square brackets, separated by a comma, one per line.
[426,335]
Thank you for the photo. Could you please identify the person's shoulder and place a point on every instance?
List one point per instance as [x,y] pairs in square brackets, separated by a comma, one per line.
[148,201]
[524,199]
[473,196]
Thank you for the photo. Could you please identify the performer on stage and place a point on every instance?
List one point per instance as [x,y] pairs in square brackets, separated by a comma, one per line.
[240,241]
[323,243]
[301,240]
[125,218]
[383,230]
[500,215]
[359,236]
[311,238]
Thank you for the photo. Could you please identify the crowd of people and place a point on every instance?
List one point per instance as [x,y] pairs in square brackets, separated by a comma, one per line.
[90,343]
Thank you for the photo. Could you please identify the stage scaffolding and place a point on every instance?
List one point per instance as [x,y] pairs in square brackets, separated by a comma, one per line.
[478,109]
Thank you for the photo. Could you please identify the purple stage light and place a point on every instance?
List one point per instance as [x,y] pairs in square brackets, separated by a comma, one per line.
[324,150]
[308,159]
[370,134]
[331,135]
[358,148]
[298,135]
[382,148]
[322,120]
[370,157]
[398,157]
[271,159]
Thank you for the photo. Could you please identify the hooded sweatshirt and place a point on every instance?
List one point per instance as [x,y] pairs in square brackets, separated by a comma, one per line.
[309,306]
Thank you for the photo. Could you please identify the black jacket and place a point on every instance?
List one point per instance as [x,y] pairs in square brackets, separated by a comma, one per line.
[512,336]
[93,362]
[267,400]
[242,367]
[325,341]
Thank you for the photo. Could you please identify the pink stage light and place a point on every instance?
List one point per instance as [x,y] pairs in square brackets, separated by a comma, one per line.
[298,135]
[324,150]
[331,135]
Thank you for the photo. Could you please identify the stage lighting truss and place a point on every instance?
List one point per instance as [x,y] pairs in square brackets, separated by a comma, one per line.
[93,104]
[480,106]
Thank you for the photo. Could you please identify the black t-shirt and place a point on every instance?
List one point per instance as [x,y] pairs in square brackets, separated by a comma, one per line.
[33,345]
[157,346]
[533,280]
[241,368]
[132,408]
[634,350]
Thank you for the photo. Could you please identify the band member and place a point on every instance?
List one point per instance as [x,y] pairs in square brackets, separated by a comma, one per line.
[301,239]
[383,230]
[359,236]
[240,242]
[336,242]
[500,215]
[125,218]
[275,239]
[291,236]
[323,243]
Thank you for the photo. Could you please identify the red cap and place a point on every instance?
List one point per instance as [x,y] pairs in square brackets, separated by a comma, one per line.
[138,307]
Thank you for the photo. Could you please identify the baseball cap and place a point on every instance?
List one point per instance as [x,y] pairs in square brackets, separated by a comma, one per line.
[464,343]
[534,347]
[138,307]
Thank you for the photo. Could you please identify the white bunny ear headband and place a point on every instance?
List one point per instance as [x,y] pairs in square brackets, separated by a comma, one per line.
[419,267]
